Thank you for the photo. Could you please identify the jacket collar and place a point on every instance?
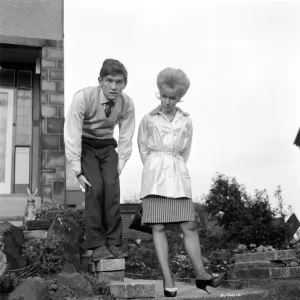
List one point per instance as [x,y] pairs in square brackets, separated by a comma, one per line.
[157,110]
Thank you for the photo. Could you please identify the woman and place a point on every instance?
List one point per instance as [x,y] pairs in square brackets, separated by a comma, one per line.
[164,140]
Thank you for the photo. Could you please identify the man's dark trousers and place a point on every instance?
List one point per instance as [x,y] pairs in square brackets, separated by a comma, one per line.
[103,223]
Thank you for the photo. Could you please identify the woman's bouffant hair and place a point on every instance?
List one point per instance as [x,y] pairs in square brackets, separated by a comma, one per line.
[175,79]
[113,67]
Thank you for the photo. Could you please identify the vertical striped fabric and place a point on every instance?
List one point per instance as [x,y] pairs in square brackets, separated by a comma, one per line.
[158,209]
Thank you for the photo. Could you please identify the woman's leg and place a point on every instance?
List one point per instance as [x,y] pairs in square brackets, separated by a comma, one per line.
[193,249]
[162,251]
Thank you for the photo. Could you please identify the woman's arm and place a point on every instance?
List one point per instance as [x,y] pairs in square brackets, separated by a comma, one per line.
[187,150]
[143,139]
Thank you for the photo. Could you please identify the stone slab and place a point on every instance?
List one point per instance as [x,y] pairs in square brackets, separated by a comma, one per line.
[255,264]
[85,261]
[111,276]
[266,273]
[105,265]
[132,290]
[38,224]
[34,234]
[265,256]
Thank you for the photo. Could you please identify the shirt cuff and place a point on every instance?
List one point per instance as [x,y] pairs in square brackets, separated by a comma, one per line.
[76,166]
[121,164]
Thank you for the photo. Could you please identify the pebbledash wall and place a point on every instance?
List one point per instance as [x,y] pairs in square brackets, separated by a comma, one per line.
[38,24]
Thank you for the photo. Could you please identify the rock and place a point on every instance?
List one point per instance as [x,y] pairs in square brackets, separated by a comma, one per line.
[75,281]
[34,288]
[72,236]
[3,260]
[13,240]
[68,268]
[54,287]
[293,264]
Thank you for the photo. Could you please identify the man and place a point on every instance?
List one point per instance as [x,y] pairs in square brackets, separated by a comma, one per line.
[90,148]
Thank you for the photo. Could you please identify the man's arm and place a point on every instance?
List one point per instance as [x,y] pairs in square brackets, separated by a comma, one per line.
[73,131]
[126,131]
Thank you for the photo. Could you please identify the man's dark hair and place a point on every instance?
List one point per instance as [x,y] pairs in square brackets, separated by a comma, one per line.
[113,67]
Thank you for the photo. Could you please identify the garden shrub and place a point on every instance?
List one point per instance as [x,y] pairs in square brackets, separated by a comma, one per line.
[100,287]
[52,212]
[247,219]
[8,283]
[46,254]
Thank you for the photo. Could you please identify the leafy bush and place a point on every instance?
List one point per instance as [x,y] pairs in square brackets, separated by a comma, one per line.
[100,287]
[8,283]
[246,219]
[52,212]
[46,254]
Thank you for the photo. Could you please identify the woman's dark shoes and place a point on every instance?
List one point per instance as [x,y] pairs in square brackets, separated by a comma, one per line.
[213,282]
[170,293]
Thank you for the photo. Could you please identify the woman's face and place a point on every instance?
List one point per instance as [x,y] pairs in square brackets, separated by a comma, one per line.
[168,99]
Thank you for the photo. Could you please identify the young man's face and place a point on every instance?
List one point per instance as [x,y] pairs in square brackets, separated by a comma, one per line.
[112,86]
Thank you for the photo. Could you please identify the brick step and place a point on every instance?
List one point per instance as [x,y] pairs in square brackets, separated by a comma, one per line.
[265,273]
[132,290]
[147,289]
[265,256]
[34,234]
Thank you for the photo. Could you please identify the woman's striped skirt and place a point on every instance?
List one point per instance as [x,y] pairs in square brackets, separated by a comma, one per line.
[159,209]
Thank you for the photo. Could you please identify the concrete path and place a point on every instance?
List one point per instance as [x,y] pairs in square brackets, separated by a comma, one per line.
[189,291]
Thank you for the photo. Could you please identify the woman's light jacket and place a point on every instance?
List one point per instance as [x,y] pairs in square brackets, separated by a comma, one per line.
[164,149]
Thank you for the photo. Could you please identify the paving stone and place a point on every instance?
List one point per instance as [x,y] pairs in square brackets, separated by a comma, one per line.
[132,290]
[265,256]
[108,265]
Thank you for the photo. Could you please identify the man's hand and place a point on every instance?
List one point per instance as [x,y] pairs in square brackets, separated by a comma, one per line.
[83,181]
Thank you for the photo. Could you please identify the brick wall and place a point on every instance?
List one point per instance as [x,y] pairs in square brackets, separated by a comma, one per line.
[53,187]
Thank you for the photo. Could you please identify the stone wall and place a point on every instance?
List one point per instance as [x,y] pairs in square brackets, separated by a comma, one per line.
[52,117]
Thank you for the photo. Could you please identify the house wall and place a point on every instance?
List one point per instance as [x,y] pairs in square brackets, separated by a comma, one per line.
[52,113]
[32,18]
[39,23]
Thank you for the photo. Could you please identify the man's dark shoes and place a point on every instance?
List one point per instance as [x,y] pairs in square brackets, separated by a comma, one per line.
[117,251]
[101,253]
